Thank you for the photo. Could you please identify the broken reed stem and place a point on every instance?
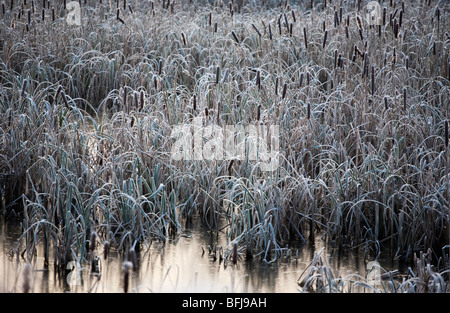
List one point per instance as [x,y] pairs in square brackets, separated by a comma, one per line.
[404,99]
[235,37]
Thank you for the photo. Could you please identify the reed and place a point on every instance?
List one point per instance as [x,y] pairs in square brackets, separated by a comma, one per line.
[85,132]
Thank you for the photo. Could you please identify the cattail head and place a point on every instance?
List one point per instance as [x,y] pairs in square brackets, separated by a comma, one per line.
[304,38]
[142,99]
[24,87]
[308,111]
[230,166]
[125,95]
[105,250]
[234,254]
[395,24]
[194,102]
[258,114]
[217,74]
[404,98]
[325,39]
[92,242]
[284,90]
[235,37]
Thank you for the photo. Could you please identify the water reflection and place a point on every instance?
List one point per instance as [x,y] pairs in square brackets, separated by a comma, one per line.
[181,265]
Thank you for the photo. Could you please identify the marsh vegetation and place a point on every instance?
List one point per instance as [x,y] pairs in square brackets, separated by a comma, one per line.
[86,114]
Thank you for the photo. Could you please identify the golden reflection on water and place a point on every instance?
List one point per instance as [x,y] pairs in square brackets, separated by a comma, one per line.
[176,266]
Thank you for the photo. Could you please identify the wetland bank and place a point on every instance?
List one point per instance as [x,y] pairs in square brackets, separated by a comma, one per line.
[88,177]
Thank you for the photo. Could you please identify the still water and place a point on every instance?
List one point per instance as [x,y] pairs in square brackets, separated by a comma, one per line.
[181,265]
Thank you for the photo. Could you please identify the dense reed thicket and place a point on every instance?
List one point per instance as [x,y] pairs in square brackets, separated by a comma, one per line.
[86,114]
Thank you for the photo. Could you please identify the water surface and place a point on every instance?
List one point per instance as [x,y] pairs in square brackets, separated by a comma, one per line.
[180,265]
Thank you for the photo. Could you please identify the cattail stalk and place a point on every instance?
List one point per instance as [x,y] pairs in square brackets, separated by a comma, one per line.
[276,86]
[325,39]
[235,37]
[125,98]
[217,75]
[256,29]
[160,67]
[258,80]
